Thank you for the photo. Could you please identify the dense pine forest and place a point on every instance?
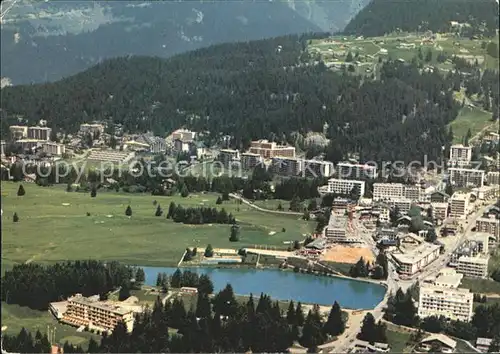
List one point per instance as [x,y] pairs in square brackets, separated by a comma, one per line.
[380,17]
[260,89]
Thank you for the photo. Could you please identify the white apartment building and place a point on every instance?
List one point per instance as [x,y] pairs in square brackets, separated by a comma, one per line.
[452,303]
[18,131]
[439,210]
[490,225]
[485,192]
[459,205]
[285,166]
[460,155]
[268,149]
[93,128]
[2,148]
[473,266]
[387,191]
[412,192]
[39,133]
[493,178]
[317,168]
[353,171]
[250,160]
[417,259]
[53,148]
[466,177]
[228,156]
[403,204]
[344,186]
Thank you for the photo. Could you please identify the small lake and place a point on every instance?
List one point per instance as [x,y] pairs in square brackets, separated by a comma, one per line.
[281,285]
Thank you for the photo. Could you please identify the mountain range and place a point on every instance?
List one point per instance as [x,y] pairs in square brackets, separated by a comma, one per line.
[49,40]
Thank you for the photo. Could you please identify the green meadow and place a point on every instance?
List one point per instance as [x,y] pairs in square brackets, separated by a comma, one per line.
[54,226]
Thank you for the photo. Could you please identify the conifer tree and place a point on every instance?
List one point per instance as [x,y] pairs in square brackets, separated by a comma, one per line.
[171,210]
[235,232]
[203,308]
[140,276]
[159,211]
[15,218]
[209,251]
[335,324]
[21,191]
[299,315]
[290,314]
[93,192]
[128,211]
[219,200]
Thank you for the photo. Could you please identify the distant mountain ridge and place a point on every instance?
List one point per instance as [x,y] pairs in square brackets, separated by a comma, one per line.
[46,41]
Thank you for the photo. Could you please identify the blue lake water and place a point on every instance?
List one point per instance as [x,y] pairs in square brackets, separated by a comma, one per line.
[282,285]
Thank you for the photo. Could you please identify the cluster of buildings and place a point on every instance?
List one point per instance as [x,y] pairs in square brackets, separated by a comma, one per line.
[280,159]
[34,138]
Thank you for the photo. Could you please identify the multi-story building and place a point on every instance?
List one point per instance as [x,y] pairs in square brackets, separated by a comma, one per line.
[493,178]
[491,137]
[417,259]
[93,129]
[250,160]
[52,148]
[82,311]
[18,132]
[337,230]
[355,171]
[387,191]
[316,168]
[344,186]
[452,303]
[403,204]
[460,155]
[466,177]
[182,146]
[228,157]
[485,192]
[183,135]
[286,166]
[29,144]
[473,266]
[2,148]
[439,197]
[154,144]
[459,205]
[268,149]
[439,211]
[40,133]
[490,225]
[412,192]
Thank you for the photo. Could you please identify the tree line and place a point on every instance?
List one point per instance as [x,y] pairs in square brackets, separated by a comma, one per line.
[248,95]
[36,285]
[199,215]
[219,324]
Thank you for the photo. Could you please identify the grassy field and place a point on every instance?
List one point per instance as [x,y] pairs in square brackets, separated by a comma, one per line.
[397,340]
[469,118]
[49,231]
[15,317]
[484,286]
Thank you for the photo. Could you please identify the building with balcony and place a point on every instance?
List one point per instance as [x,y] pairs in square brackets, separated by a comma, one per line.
[103,316]
[229,157]
[439,211]
[93,129]
[18,132]
[485,192]
[355,171]
[344,186]
[452,303]
[466,177]
[183,135]
[39,133]
[446,344]
[459,205]
[250,160]
[403,204]
[286,166]
[316,168]
[490,225]
[387,191]
[473,266]
[52,148]
[413,193]
[460,155]
[493,178]
[268,149]
[417,259]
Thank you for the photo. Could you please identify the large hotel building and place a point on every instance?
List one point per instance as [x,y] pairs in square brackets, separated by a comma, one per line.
[269,150]
[83,311]
[344,186]
[444,298]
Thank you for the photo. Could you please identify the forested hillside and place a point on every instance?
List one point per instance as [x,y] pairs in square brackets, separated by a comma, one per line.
[260,89]
[385,16]
[67,37]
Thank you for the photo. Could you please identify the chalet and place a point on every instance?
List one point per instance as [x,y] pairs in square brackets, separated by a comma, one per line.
[444,343]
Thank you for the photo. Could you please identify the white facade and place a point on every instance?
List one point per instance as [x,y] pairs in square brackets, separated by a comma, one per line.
[349,170]
[466,177]
[489,225]
[455,304]
[493,178]
[439,210]
[460,155]
[473,266]
[53,148]
[459,205]
[417,259]
[386,191]
[344,186]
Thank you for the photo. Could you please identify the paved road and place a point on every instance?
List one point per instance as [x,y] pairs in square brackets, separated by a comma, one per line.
[247,202]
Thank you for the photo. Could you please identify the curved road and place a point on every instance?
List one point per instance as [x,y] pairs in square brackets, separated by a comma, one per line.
[247,202]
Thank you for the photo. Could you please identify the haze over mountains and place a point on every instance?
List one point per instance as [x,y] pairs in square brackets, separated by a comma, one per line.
[46,41]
